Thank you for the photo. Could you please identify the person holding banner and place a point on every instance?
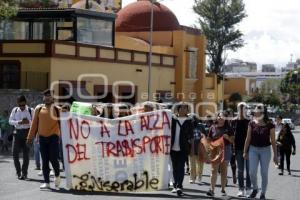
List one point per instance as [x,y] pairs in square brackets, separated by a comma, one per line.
[196,165]
[260,136]
[220,138]
[181,134]
[46,124]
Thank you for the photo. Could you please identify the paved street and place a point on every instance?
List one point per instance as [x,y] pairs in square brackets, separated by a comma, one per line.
[280,187]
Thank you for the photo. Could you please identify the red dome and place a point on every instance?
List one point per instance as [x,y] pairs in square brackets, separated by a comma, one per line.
[136,17]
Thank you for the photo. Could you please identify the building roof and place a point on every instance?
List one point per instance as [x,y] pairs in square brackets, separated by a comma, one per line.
[136,17]
[62,13]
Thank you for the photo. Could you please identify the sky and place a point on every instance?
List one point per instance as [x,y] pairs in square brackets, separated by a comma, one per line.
[271,29]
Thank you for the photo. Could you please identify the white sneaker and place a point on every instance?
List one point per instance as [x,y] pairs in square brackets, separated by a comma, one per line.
[51,173]
[241,193]
[192,181]
[40,173]
[174,190]
[57,181]
[248,192]
[45,186]
[199,180]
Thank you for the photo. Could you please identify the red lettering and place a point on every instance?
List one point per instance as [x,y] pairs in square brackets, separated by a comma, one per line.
[71,147]
[103,149]
[79,152]
[165,120]
[144,123]
[111,149]
[128,127]
[73,130]
[81,129]
[104,129]
[146,140]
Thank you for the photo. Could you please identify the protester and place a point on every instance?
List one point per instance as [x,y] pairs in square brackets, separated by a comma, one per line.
[181,134]
[240,126]
[278,127]
[260,135]
[286,143]
[196,166]
[36,148]
[20,118]
[46,124]
[108,111]
[124,110]
[5,130]
[220,131]
[230,114]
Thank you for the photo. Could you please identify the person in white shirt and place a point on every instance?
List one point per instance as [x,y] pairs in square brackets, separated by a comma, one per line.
[181,135]
[20,118]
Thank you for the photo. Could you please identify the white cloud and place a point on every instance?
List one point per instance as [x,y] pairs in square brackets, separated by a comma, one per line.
[271,30]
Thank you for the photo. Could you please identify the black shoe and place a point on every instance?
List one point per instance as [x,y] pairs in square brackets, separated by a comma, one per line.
[23,177]
[289,172]
[210,193]
[37,168]
[253,194]
[223,193]
[262,196]
[20,177]
[280,174]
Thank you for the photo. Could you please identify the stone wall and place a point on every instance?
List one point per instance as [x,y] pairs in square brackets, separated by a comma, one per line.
[8,98]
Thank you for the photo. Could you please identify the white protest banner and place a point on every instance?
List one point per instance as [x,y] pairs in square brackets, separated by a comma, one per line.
[117,155]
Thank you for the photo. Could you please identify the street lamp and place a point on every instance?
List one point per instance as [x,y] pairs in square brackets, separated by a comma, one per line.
[150,51]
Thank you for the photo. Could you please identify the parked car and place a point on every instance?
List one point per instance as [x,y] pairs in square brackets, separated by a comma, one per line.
[289,122]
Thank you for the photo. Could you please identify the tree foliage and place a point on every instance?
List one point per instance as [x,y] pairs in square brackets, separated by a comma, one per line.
[290,85]
[8,9]
[218,20]
[235,97]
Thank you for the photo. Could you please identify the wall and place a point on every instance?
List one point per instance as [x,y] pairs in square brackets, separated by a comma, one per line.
[161,76]
[8,98]
[34,71]
[233,85]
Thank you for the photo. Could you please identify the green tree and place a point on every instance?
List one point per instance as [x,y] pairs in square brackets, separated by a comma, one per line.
[291,85]
[8,9]
[218,20]
[234,99]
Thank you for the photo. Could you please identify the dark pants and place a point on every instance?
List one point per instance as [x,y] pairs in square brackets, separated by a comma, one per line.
[178,161]
[287,153]
[241,162]
[49,147]
[19,144]
[233,165]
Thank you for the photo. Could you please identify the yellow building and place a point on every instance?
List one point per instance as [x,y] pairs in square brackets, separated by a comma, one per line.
[98,55]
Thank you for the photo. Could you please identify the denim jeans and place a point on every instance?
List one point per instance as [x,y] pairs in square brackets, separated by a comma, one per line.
[178,161]
[262,156]
[49,147]
[241,164]
[36,147]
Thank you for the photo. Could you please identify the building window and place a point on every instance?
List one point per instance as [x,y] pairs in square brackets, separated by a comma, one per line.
[43,30]
[94,31]
[192,63]
[14,30]
[10,75]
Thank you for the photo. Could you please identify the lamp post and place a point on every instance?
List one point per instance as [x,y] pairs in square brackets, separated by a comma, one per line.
[150,51]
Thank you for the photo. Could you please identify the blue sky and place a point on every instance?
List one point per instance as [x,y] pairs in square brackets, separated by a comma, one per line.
[271,30]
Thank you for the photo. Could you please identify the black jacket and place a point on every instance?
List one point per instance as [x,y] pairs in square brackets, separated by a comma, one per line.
[186,134]
[287,141]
